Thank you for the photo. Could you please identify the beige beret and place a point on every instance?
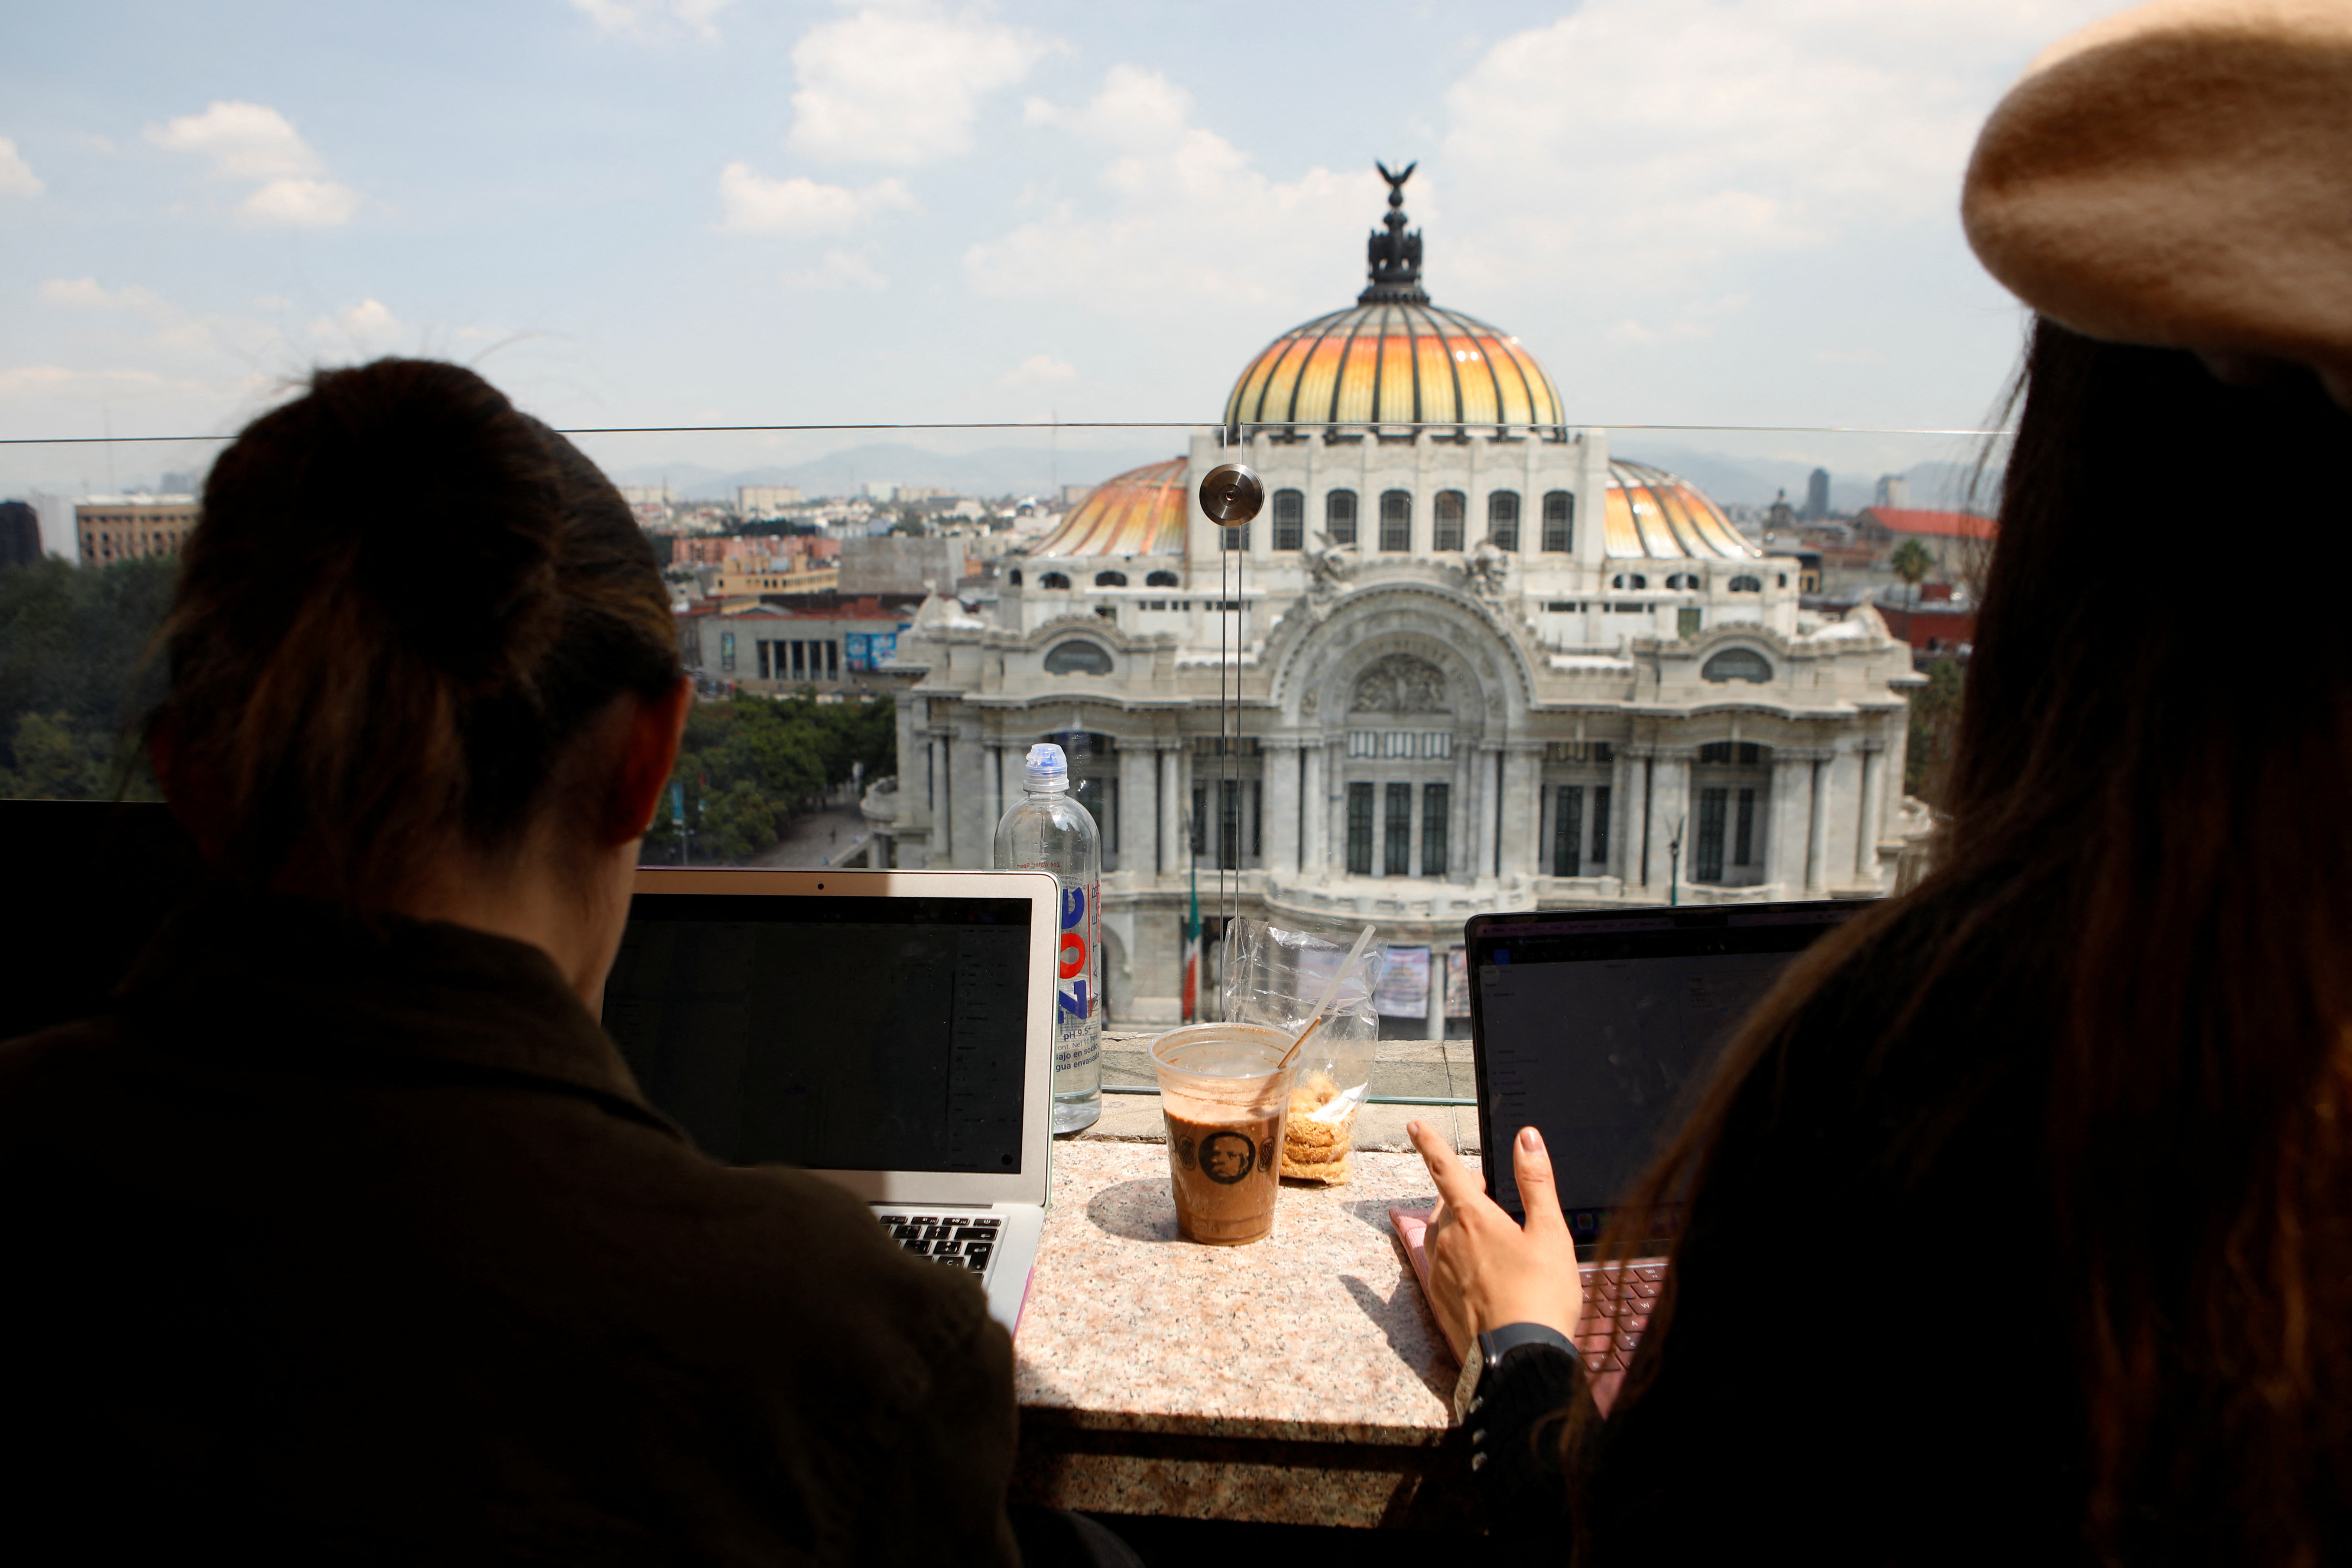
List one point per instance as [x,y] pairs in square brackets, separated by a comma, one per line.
[2180,175]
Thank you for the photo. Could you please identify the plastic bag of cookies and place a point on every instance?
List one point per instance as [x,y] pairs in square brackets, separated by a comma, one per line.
[1274,976]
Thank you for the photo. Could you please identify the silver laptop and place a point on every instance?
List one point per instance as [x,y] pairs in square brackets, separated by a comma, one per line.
[890,1031]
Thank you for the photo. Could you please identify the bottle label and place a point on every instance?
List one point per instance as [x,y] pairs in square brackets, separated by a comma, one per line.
[1075,1040]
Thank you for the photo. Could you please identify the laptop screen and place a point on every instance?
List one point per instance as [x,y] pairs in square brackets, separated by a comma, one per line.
[1600,1031]
[842,1034]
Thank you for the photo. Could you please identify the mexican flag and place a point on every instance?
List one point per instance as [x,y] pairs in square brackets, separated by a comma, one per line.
[1192,950]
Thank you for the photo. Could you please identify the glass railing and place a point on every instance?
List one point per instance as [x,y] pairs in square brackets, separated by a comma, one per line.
[1439,670]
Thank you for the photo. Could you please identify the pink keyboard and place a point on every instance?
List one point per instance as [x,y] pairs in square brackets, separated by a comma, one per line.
[1618,1294]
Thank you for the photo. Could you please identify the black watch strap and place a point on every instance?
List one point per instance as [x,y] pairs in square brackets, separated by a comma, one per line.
[1487,1352]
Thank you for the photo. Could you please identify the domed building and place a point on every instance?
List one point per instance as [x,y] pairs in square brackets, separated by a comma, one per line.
[1474,663]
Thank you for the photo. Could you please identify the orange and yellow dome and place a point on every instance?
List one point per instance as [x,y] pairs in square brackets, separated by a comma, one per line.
[1651,515]
[1140,512]
[1394,363]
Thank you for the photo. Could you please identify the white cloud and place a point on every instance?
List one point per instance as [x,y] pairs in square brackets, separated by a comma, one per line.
[301,203]
[16,176]
[644,18]
[90,294]
[839,269]
[1639,144]
[252,141]
[799,206]
[1185,214]
[902,85]
[1038,370]
[368,328]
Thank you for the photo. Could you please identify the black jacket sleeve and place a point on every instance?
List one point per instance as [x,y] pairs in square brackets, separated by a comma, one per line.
[1515,1432]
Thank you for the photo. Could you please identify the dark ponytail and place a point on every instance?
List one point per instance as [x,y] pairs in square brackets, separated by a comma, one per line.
[403,601]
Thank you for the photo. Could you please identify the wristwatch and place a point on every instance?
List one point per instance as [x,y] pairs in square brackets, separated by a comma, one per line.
[1487,1354]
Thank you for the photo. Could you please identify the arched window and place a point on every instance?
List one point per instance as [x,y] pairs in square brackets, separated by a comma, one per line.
[1054,579]
[1161,580]
[1448,514]
[1016,576]
[1289,521]
[1737,664]
[1233,538]
[1743,584]
[1339,516]
[1110,579]
[1077,656]
[1628,580]
[1784,579]
[1559,521]
[1503,520]
[1396,520]
[1685,580]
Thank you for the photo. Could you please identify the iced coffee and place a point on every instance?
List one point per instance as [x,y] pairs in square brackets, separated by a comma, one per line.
[1225,1098]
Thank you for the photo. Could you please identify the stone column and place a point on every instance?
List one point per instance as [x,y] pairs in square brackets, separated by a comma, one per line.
[1172,812]
[1671,816]
[1484,781]
[1638,827]
[1817,830]
[942,805]
[1786,822]
[974,831]
[1312,806]
[1436,1030]
[1866,848]
[1334,811]
[1139,816]
[1281,768]
[998,801]
[1622,773]
[1517,822]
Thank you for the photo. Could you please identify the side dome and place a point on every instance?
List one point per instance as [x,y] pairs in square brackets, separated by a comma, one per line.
[1140,512]
[1651,515]
[1394,359]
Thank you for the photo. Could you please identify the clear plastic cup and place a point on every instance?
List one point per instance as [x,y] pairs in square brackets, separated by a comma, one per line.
[1224,1097]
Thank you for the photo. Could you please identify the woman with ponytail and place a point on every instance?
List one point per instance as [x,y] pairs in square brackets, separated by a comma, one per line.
[348,1237]
[2019,1219]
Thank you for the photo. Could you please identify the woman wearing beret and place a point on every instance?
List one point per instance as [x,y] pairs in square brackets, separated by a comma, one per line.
[2019,1218]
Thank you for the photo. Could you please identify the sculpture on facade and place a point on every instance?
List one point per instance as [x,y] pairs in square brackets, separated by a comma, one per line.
[1328,566]
[1401,684]
[1488,568]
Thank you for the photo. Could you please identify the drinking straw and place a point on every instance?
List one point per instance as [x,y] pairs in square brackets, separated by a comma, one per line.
[1330,993]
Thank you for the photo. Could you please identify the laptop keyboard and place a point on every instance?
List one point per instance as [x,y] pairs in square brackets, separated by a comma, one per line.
[1614,1296]
[956,1241]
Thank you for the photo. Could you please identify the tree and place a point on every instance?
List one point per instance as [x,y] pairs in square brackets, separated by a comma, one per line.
[749,765]
[1912,561]
[1935,721]
[78,672]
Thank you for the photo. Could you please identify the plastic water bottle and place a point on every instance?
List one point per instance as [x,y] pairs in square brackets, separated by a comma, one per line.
[1048,831]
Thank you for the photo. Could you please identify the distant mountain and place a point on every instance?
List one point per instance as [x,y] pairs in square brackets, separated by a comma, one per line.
[1935,485]
[990,471]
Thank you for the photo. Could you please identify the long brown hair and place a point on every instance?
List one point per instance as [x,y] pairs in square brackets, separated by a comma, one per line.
[2149,859]
[403,599]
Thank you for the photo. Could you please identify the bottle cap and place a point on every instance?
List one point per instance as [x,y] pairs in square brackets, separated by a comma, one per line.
[1048,769]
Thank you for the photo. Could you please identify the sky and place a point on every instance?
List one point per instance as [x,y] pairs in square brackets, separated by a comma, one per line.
[1696,213]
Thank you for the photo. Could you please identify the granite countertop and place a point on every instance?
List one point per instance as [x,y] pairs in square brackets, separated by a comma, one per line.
[1301,1378]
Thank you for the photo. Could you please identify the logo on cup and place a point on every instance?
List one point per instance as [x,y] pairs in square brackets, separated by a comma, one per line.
[1227,1157]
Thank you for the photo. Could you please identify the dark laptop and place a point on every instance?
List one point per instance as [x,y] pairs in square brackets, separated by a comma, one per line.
[1600,1029]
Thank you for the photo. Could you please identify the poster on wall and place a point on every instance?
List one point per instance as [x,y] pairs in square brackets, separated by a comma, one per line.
[856,650]
[1457,983]
[1404,984]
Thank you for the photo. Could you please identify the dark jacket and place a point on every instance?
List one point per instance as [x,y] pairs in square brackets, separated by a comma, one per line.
[352,1238]
[1866,1355]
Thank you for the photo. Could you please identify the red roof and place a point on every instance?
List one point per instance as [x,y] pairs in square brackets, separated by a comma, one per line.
[1937,524]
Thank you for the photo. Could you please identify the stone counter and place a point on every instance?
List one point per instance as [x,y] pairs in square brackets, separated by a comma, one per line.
[1298,1380]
